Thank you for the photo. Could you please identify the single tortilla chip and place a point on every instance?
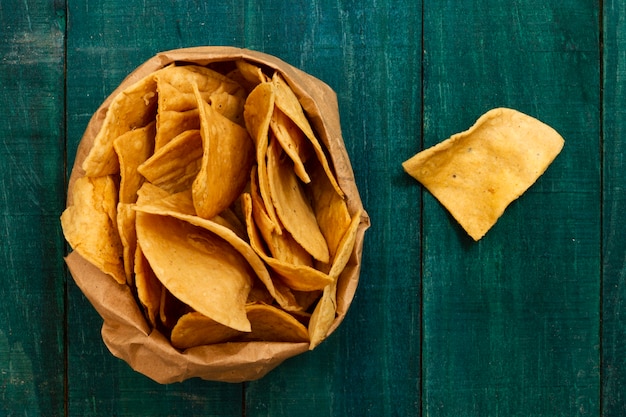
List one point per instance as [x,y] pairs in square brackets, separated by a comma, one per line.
[171,123]
[198,267]
[195,329]
[292,205]
[128,237]
[175,165]
[133,148]
[270,324]
[132,108]
[227,159]
[148,287]
[257,115]
[476,174]
[293,142]
[331,210]
[89,224]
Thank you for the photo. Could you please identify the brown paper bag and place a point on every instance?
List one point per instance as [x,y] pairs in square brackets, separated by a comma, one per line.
[125,330]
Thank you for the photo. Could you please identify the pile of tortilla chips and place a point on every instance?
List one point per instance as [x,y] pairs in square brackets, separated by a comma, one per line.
[223,207]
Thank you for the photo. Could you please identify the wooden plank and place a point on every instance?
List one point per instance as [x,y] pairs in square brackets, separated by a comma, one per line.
[105,42]
[31,197]
[614,220]
[367,53]
[511,323]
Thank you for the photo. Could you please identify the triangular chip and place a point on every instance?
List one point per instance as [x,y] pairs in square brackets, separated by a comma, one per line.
[257,114]
[148,287]
[132,108]
[288,103]
[270,324]
[292,205]
[89,224]
[227,158]
[132,149]
[195,329]
[293,142]
[197,267]
[476,174]
[296,276]
[175,165]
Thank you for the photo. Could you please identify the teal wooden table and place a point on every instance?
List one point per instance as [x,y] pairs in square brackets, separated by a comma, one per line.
[529,321]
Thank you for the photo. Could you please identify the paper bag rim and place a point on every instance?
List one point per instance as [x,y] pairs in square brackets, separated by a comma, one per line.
[125,331]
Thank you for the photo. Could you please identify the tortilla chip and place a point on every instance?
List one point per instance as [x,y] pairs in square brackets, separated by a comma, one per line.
[331,210]
[476,174]
[280,293]
[226,162]
[288,103]
[297,277]
[199,268]
[257,114]
[270,324]
[292,205]
[89,224]
[252,73]
[178,104]
[324,314]
[133,108]
[194,329]
[148,287]
[175,165]
[128,237]
[132,149]
[293,142]
[171,123]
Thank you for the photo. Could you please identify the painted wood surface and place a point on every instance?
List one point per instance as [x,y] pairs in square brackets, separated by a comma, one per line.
[526,322]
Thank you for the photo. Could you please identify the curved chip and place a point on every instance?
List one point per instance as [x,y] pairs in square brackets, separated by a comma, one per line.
[228,155]
[292,205]
[195,329]
[89,224]
[197,267]
[270,324]
[476,174]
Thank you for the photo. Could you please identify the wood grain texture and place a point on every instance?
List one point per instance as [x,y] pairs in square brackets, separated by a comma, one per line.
[614,220]
[526,322]
[511,323]
[370,56]
[31,198]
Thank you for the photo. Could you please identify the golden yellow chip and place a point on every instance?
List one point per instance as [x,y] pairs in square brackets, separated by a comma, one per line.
[128,237]
[176,164]
[252,73]
[288,103]
[292,205]
[296,276]
[226,162]
[133,108]
[326,308]
[148,287]
[476,174]
[178,104]
[293,142]
[197,267]
[132,149]
[281,294]
[257,115]
[270,324]
[89,224]
[194,329]
[331,210]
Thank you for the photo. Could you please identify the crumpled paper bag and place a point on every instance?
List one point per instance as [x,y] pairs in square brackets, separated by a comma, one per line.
[125,330]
